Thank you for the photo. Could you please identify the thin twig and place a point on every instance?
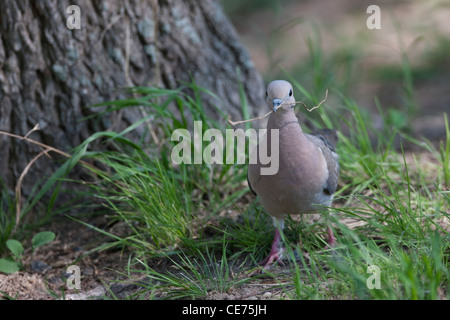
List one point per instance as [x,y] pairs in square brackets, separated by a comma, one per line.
[49,148]
[19,185]
[324,99]
[36,128]
[233,123]
[27,168]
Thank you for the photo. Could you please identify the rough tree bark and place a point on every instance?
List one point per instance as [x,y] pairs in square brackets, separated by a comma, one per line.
[49,74]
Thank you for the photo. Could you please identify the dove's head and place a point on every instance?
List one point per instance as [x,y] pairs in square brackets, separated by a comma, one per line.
[279,95]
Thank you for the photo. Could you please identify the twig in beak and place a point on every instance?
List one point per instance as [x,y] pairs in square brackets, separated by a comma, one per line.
[234,123]
[324,99]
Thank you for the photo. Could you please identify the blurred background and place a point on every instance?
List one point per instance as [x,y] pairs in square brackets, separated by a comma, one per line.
[399,72]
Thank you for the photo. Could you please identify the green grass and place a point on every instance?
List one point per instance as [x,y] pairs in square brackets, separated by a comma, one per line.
[200,221]
[202,224]
[7,216]
[37,209]
[198,275]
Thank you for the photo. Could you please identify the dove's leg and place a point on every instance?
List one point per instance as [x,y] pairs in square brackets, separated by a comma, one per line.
[276,251]
[331,238]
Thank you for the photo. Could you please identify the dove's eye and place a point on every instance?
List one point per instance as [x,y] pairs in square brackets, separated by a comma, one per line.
[290,93]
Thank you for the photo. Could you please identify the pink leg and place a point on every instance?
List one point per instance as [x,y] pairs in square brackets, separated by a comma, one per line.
[276,251]
[331,238]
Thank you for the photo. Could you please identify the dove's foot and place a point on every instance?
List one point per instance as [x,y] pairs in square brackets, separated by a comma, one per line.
[276,251]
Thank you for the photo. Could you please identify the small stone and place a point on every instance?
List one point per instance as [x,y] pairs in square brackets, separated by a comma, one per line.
[96,293]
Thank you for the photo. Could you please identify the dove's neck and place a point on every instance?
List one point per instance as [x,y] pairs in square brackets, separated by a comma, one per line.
[282,119]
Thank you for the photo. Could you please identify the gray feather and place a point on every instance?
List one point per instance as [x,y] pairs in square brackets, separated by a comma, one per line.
[326,140]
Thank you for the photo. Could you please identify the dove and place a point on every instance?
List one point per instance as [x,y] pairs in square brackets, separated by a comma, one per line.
[308,168]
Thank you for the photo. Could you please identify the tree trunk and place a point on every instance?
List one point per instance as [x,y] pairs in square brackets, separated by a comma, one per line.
[50,74]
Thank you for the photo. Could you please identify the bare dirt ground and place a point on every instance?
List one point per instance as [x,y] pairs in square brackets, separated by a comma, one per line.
[46,268]
[45,275]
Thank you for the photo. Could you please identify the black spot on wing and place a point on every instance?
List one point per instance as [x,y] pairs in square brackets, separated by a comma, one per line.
[328,136]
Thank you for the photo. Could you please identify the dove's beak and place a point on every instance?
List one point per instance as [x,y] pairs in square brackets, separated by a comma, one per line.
[276,104]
